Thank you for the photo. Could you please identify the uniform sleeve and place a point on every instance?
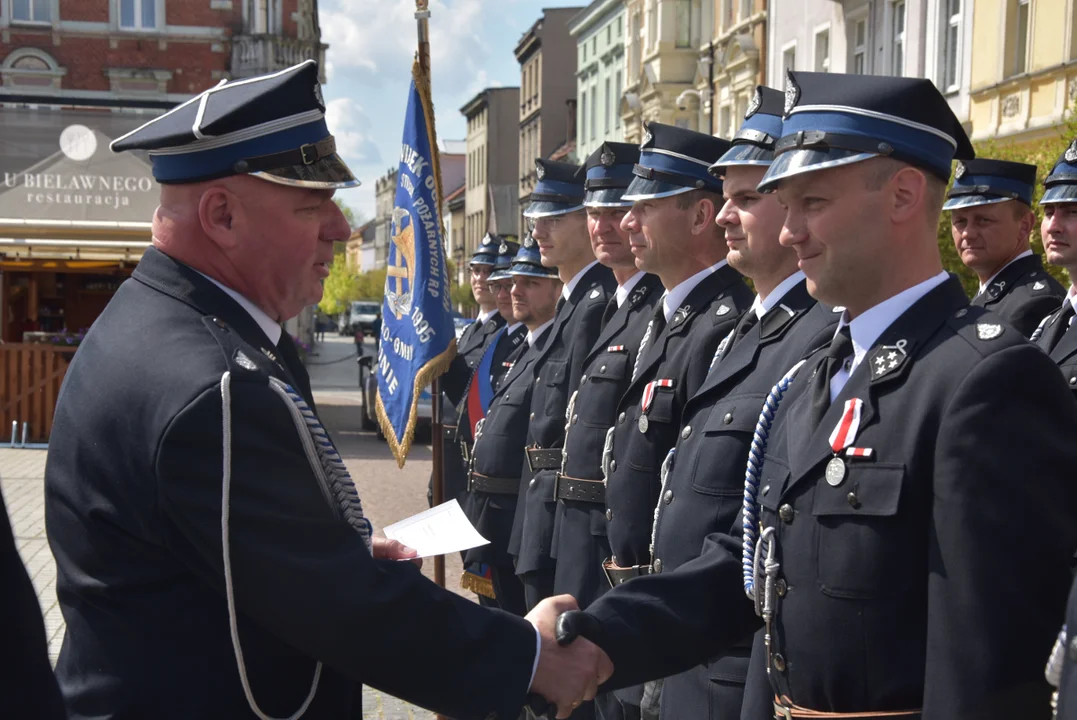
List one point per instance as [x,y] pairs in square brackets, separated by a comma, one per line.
[454,380]
[1027,316]
[659,625]
[307,577]
[1004,519]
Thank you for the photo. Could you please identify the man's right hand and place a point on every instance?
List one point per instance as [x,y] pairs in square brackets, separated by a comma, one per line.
[566,676]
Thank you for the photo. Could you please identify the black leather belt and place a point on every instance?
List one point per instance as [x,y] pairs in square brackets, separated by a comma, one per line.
[541,459]
[618,575]
[785,710]
[492,485]
[570,488]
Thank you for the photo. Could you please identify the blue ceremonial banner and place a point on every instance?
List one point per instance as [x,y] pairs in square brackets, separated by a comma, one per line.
[418,339]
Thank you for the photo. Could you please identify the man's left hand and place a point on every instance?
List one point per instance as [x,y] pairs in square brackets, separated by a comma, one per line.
[386,549]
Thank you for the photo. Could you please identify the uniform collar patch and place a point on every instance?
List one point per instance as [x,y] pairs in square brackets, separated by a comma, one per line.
[888,359]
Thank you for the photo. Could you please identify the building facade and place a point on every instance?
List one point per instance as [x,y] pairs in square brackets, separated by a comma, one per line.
[600,62]
[546,119]
[384,201]
[662,64]
[74,76]
[912,38]
[492,170]
[1025,77]
[731,62]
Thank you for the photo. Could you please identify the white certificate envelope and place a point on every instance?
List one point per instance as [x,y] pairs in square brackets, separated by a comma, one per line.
[438,531]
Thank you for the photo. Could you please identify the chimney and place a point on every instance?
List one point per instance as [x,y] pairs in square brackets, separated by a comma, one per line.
[571,104]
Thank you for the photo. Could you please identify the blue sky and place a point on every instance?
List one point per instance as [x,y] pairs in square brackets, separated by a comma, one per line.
[368,64]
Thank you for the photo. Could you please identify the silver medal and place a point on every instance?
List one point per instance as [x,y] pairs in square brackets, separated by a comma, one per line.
[835,471]
[643,423]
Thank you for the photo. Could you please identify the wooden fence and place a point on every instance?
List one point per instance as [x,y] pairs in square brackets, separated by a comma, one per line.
[30,377]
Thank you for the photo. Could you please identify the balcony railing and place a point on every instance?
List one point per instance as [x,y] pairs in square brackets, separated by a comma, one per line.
[260,54]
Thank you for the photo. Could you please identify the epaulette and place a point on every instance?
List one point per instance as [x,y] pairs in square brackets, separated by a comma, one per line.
[241,359]
[1038,283]
[986,332]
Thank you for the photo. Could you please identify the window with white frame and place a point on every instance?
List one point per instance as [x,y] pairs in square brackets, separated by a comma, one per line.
[652,24]
[609,108]
[858,41]
[1019,43]
[594,112]
[31,11]
[725,125]
[950,46]
[618,89]
[583,115]
[138,14]
[822,50]
[789,60]
[684,23]
[634,37]
[745,9]
[897,44]
[261,16]
[728,8]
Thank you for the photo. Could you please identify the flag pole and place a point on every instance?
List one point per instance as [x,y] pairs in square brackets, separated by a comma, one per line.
[437,434]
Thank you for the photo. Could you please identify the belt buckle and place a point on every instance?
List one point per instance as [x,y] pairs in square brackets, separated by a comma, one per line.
[606,572]
[527,454]
[556,486]
[470,481]
[781,712]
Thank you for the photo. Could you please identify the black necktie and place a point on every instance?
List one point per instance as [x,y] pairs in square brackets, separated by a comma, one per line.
[289,357]
[610,311]
[1054,333]
[841,347]
[749,321]
[560,304]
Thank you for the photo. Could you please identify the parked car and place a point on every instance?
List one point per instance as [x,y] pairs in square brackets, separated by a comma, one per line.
[362,315]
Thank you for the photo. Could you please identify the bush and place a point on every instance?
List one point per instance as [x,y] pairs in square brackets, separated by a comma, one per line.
[1042,153]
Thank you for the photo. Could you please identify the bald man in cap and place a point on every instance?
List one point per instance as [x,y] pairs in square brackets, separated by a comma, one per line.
[213,559]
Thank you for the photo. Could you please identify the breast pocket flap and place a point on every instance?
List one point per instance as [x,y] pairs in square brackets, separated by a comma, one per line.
[868,489]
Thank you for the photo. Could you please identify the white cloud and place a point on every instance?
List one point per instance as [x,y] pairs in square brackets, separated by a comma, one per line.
[351,126]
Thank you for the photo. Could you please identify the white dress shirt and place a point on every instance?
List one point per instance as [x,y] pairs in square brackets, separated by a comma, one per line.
[510,329]
[867,327]
[983,286]
[566,291]
[673,298]
[762,306]
[532,334]
[484,316]
[269,326]
[623,290]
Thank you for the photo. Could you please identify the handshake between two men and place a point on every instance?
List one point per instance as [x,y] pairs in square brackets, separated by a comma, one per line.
[570,668]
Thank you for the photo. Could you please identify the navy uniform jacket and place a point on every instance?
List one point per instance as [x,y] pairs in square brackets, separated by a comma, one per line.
[454,383]
[908,585]
[27,684]
[579,542]
[504,354]
[705,488]
[1061,345]
[499,453]
[557,376]
[1022,294]
[682,353]
[134,518]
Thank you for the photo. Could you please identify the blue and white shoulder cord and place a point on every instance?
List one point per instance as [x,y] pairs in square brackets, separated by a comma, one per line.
[336,485]
[751,553]
[721,349]
[1039,329]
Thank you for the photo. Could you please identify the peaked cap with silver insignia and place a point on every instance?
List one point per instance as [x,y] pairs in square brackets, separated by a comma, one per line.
[505,253]
[754,142]
[834,119]
[559,189]
[528,261]
[674,160]
[486,252]
[1061,185]
[270,126]
[986,182]
[608,174]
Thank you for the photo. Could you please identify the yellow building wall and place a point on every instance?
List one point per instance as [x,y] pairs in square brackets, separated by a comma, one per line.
[986,42]
[1048,36]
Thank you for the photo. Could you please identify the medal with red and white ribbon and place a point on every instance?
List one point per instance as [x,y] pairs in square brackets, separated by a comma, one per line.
[648,398]
[842,437]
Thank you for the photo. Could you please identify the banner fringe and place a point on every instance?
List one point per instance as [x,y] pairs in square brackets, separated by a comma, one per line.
[478,585]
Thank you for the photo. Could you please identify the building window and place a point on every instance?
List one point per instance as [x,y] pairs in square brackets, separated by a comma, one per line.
[728,8]
[138,14]
[684,23]
[949,65]
[261,15]
[33,11]
[725,125]
[822,51]
[609,34]
[652,25]
[609,107]
[897,49]
[1019,38]
[859,43]
[583,115]
[789,60]
[583,50]
[594,45]
[745,9]
[617,103]
[594,112]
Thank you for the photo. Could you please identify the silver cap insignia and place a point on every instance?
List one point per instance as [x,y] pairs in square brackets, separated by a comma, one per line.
[988,331]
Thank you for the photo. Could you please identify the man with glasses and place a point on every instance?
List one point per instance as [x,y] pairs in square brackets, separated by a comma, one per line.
[469,349]
[559,231]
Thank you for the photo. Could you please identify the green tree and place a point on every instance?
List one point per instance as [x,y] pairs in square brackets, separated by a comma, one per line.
[340,288]
[1042,153]
[371,285]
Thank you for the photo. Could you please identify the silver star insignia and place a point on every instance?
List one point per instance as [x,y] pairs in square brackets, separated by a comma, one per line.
[893,363]
[891,356]
[880,361]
